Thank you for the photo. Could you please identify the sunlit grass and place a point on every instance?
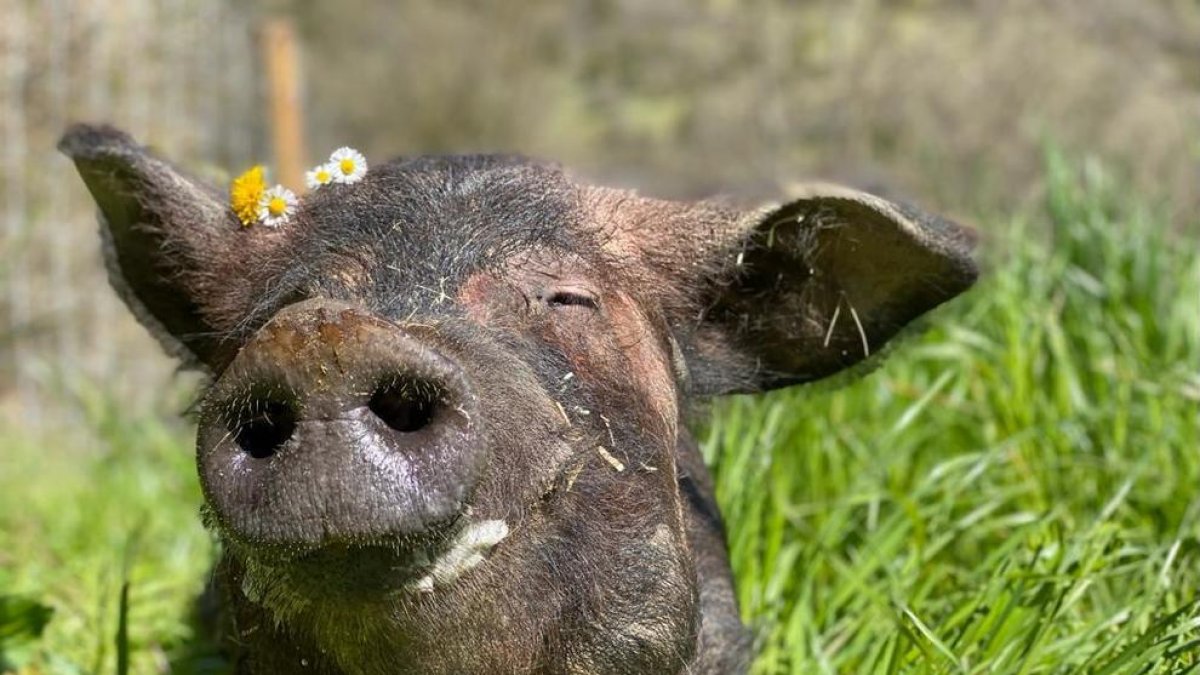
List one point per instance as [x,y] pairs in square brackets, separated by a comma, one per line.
[119,506]
[1016,491]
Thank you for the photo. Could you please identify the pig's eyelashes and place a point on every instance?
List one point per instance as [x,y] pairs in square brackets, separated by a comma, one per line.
[571,299]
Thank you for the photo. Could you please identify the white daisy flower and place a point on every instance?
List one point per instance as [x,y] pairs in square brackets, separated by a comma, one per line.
[319,176]
[348,164]
[276,206]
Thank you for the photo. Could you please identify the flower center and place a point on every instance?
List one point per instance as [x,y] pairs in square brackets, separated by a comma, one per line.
[276,206]
[346,166]
[323,176]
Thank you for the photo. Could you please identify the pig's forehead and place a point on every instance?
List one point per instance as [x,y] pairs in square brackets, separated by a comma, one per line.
[410,232]
[442,203]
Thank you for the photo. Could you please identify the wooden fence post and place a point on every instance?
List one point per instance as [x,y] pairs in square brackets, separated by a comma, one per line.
[281,58]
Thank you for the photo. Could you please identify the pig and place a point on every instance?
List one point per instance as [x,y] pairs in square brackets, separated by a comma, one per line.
[445,425]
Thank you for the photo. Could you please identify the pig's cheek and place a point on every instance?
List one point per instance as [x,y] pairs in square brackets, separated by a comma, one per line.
[489,301]
[588,344]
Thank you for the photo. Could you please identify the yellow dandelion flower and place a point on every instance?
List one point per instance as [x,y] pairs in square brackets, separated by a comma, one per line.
[245,193]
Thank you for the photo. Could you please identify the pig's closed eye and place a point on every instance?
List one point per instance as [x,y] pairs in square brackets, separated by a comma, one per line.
[571,298]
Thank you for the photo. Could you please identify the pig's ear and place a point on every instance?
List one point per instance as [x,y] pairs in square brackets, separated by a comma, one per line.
[820,283]
[163,235]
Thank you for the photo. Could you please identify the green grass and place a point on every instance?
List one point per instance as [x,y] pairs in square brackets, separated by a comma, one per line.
[1015,491]
[81,519]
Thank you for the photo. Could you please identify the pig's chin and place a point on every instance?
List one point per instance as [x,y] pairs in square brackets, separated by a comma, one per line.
[381,567]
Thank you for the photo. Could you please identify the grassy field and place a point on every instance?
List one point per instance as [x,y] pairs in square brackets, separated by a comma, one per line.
[1016,491]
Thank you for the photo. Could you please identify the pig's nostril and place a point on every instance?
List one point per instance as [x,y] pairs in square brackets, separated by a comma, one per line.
[268,426]
[404,405]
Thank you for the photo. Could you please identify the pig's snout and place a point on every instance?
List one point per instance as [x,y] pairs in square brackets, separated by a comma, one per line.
[335,427]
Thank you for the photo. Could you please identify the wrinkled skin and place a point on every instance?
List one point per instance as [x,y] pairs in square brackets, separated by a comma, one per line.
[444,431]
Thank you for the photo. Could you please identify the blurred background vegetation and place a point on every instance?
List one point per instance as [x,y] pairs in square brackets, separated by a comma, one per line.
[944,101]
[1015,493]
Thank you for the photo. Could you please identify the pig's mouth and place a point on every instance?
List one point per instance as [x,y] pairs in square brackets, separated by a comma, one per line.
[401,565]
[363,567]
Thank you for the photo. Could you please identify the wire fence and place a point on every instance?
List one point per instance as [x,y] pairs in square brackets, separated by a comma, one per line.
[180,76]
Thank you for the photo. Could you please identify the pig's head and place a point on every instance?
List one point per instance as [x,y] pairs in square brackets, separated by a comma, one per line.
[445,406]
